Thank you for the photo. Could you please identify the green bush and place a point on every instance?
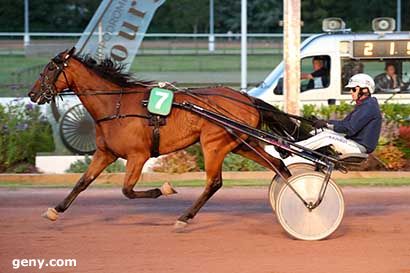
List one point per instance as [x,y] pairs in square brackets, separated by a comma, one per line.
[395,112]
[196,151]
[392,112]
[116,167]
[234,162]
[176,162]
[327,111]
[81,165]
[24,133]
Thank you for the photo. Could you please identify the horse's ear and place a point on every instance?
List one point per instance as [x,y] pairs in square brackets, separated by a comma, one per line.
[70,53]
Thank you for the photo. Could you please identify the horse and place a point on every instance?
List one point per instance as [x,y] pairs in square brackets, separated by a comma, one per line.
[114,100]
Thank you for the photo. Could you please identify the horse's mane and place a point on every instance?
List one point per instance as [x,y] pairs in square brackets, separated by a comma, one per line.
[111,71]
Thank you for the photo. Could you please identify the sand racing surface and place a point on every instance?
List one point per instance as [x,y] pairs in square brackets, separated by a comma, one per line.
[235,232]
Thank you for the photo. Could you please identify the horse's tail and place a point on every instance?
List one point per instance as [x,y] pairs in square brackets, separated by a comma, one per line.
[281,123]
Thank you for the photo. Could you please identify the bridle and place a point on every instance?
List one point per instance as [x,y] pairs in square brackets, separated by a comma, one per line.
[48,80]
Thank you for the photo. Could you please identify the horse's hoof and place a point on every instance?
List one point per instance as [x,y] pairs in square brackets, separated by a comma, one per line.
[180,226]
[167,189]
[51,214]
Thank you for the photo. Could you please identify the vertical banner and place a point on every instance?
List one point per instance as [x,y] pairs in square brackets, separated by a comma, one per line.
[117,29]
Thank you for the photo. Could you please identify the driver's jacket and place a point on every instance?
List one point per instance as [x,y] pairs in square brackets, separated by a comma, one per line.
[362,125]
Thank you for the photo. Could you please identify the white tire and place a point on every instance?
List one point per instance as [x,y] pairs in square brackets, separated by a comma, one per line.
[302,223]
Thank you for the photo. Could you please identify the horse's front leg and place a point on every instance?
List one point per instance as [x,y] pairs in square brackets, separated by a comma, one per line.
[133,172]
[99,162]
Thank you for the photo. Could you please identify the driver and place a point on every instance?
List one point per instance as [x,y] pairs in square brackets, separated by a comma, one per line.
[359,131]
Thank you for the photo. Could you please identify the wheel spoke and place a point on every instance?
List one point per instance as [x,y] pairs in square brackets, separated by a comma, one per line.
[78,131]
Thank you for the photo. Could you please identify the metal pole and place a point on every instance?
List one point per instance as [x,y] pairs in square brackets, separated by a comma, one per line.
[26,22]
[211,44]
[244,65]
[398,15]
[291,54]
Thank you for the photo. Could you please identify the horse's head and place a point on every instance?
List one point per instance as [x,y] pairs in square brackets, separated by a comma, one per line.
[52,80]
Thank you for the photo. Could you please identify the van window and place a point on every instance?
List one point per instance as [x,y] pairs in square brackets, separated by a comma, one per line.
[315,74]
[390,75]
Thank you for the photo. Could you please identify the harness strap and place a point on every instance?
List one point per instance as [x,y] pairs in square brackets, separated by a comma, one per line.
[156,121]
[111,117]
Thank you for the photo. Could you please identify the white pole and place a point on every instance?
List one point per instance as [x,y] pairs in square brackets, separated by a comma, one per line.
[291,54]
[398,15]
[211,42]
[26,22]
[244,65]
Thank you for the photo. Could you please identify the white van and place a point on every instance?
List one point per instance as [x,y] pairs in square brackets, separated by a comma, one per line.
[344,54]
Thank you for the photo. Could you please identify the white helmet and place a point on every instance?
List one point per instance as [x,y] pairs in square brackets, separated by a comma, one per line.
[363,81]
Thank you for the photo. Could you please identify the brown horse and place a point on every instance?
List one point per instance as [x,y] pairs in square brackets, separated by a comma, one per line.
[114,100]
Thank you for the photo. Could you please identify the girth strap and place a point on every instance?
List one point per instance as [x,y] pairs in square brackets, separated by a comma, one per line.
[120,117]
[156,121]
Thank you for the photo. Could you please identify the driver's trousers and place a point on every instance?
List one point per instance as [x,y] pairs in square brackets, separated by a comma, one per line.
[336,140]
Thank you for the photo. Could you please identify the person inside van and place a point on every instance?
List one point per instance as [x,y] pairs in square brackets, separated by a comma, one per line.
[350,68]
[389,80]
[319,78]
[359,131]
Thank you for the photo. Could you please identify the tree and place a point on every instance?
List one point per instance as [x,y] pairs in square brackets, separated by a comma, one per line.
[192,16]
[11,16]
[357,16]
[263,15]
[61,16]
[47,15]
[187,16]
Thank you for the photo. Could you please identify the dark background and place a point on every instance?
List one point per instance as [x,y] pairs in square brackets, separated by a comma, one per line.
[191,16]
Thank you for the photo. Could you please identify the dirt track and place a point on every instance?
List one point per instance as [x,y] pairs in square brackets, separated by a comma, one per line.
[235,232]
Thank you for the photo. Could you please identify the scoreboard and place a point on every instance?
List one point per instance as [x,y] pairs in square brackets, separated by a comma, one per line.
[381,49]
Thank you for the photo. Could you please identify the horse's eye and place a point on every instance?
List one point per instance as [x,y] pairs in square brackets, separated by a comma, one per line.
[51,68]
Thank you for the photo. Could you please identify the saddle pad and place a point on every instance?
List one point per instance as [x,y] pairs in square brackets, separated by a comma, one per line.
[160,101]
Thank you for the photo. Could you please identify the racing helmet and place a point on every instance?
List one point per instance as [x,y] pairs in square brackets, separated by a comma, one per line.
[363,81]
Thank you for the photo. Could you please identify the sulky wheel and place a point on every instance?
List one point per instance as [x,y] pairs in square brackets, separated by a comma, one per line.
[305,224]
[277,183]
[77,130]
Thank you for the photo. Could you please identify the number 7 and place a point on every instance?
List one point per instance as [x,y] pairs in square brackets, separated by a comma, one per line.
[163,96]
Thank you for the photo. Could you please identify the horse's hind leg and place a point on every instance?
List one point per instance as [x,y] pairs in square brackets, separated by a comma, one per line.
[214,154]
[133,172]
[99,162]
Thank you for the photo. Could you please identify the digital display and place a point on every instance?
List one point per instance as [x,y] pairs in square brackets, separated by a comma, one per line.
[381,49]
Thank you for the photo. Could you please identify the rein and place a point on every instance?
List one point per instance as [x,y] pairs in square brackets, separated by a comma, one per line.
[261,107]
